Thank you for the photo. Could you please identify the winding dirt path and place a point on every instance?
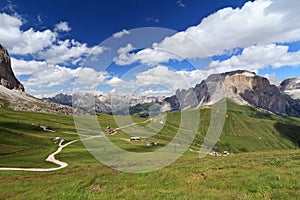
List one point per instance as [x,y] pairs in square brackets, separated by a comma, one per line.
[51,157]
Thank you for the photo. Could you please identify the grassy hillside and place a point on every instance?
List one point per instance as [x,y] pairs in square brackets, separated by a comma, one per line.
[269,170]
[247,129]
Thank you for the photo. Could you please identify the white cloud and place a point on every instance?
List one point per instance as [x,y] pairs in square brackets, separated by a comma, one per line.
[180,3]
[23,42]
[23,67]
[126,49]
[44,75]
[258,57]
[41,74]
[52,75]
[47,72]
[43,44]
[260,22]
[145,56]
[273,78]
[89,77]
[63,27]
[115,82]
[69,51]
[121,33]
[159,76]
[32,41]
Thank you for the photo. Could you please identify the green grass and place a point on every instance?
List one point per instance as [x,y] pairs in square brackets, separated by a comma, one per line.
[268,170]
[265,175]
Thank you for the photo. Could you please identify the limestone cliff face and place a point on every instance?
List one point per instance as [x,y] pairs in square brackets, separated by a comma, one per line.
[291,87]
[242,87]
[7,77]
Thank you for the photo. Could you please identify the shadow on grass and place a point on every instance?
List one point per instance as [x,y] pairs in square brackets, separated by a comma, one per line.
[18,125]
[292,132]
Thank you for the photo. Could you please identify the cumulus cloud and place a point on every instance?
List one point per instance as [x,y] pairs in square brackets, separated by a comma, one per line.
[145,56]
[121,33]
[23,67]
[89,76]
[23,42]
[43,44]
[44,75]
[260,56]
[69,51]
[260,22]
[63,27]
[159,77]
[48,71]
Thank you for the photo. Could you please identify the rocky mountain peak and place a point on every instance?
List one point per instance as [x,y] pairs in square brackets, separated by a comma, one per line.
[7,77]
[291,87]
[242,87]
[290,84]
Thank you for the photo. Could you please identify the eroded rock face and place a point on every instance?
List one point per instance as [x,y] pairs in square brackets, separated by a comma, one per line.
[7,77]
[291,87]
[242,87]
[290,84]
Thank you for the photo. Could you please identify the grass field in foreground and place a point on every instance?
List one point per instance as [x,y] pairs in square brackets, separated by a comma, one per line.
[260,175]
[269,170]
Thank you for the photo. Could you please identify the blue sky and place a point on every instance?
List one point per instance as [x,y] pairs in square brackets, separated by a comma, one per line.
[55,45]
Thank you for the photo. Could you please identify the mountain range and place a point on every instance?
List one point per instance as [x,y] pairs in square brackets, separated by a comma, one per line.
[242,87]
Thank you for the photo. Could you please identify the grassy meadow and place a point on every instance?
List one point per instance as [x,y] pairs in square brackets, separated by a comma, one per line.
[263,163]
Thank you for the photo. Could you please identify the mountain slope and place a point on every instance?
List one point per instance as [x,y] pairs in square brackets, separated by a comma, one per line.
[242,87]
[18,100]
[291,87]
[246,129]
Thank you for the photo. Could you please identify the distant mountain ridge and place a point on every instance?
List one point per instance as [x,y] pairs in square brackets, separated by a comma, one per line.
[291,87]
[61,98]
[117,104]
[242,87]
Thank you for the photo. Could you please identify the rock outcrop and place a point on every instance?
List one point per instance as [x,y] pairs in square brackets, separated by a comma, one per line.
[7,77]
[242,87]
[291,87]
